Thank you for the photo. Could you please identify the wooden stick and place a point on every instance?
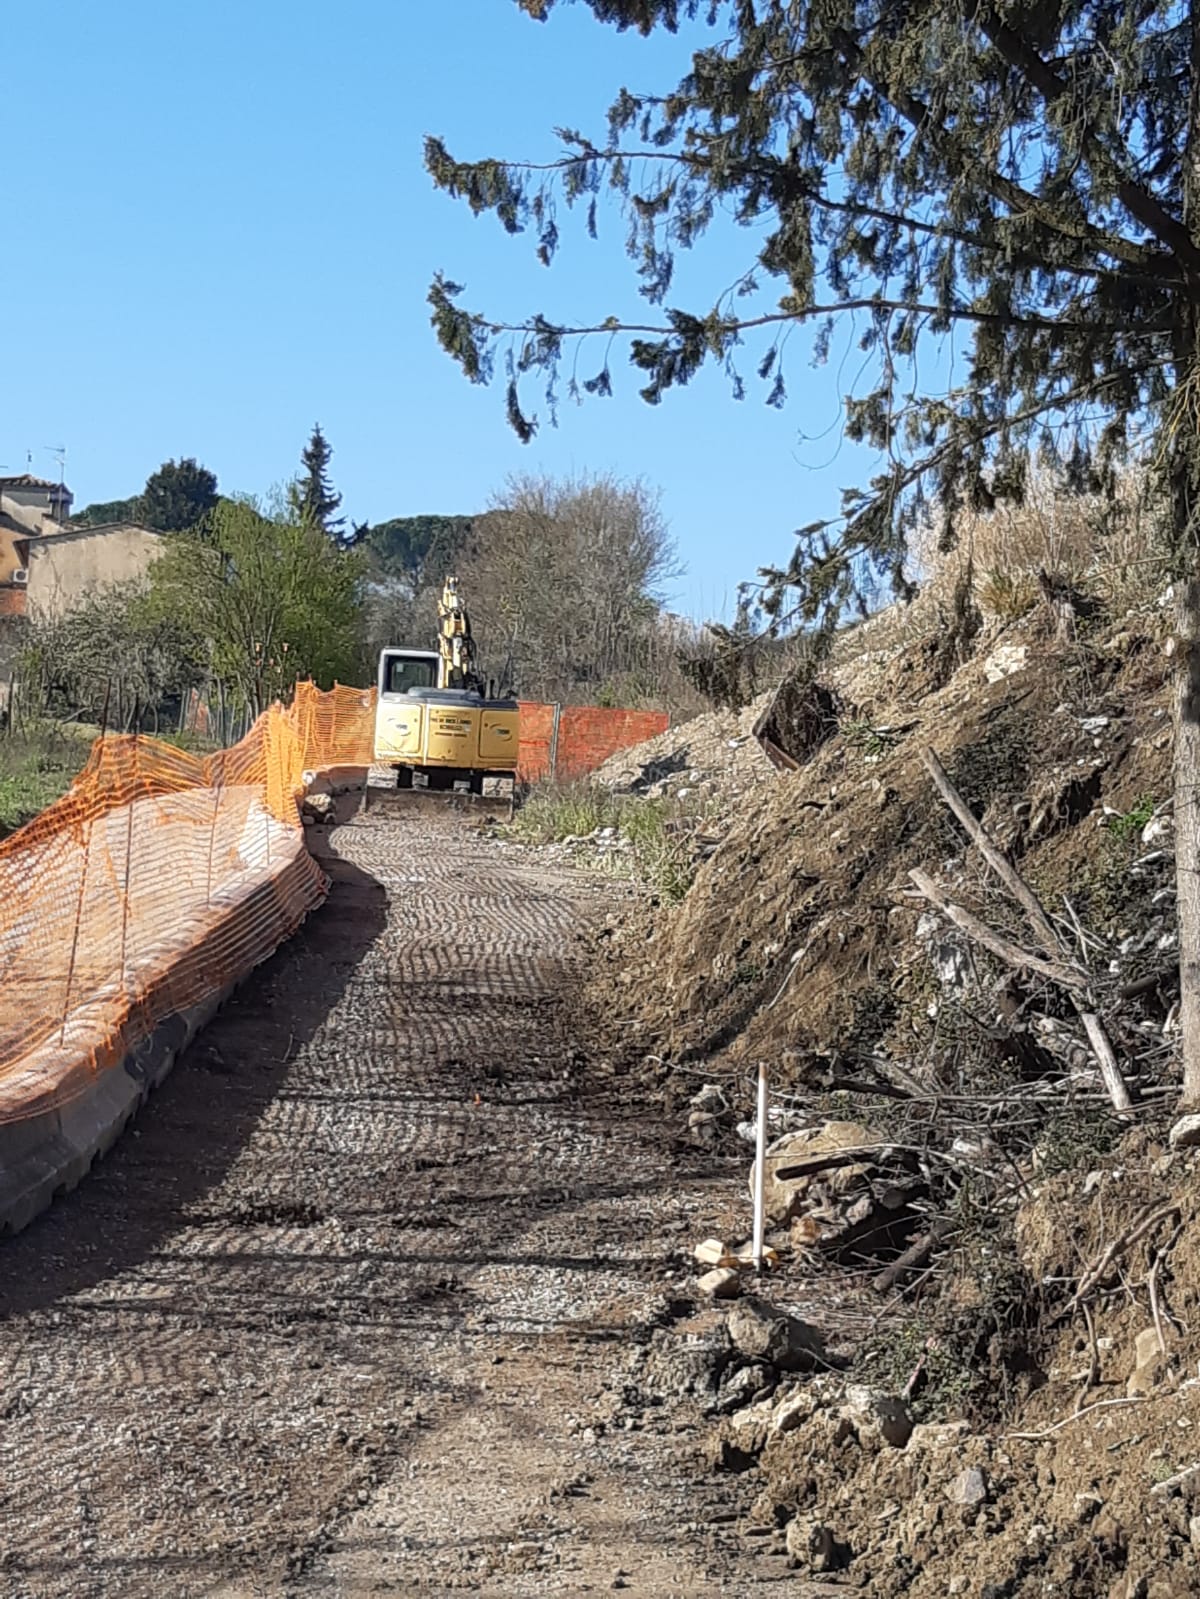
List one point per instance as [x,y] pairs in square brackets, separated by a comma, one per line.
[915,1255]
[1118,1092]
[1043,931]
[830,1162]
[1101,1404]
[1003,948]
[999,863]
[1148,1217]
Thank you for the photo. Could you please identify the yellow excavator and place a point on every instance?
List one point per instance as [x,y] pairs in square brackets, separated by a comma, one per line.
[439,728]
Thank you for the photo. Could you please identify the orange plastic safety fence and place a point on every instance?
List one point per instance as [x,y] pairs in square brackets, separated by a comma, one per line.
[537,739]
[589,734]
[154,883]
[160,878]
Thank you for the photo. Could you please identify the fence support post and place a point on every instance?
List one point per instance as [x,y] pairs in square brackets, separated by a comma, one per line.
[760,1169]
[554,741]
[83,877]
[130,804]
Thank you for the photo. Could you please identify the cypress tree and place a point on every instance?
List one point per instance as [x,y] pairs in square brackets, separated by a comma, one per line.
[314,495]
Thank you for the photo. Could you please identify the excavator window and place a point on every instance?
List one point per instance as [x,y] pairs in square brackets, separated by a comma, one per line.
[403,673]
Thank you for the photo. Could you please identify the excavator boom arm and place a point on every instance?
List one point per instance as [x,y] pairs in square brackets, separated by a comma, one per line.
[456,646]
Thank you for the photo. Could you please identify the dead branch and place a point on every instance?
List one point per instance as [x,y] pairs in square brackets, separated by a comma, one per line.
[995,858]
[829,1162]
[1156,1304]
[1118,1092]
[1093,1371]
[1146,985]
[860,1085]
[912,1258]
[1043,931]
[1076,1415]
[1147,1218]
[1068,977]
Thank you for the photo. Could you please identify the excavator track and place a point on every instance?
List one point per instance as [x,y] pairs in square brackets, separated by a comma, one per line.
[382,799]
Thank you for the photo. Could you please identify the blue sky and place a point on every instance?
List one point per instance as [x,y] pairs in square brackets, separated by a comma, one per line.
[219,231]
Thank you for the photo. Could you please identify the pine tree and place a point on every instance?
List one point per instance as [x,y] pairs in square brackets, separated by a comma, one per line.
[313,495]
[177,496]
[1026,175]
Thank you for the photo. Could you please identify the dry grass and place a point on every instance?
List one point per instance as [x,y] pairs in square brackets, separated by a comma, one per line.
[1111,550]
[1107,548]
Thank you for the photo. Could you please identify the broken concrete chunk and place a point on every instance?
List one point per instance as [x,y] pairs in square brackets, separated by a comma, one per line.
[723,1283]
[712,1252]
[879,1414]
[1004,661]
[761,1332]
[792,1411]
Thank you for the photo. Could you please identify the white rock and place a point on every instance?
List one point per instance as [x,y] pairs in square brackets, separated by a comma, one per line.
[1005,660]
[969,1488]
[723,1283]
[791,1412]
[879,1413]
[1186,1132]
[1158,830]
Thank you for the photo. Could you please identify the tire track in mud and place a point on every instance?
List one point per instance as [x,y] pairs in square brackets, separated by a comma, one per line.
[322,1322]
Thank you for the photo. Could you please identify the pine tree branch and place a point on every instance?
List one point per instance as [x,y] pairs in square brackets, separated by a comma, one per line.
[1138,201]
[1017,199]
[779,173]
[907,478]
[734,326]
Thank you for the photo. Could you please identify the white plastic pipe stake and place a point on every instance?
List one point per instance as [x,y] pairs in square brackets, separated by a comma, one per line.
[760,1169]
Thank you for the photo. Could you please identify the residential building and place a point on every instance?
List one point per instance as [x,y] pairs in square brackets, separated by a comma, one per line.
[48,567]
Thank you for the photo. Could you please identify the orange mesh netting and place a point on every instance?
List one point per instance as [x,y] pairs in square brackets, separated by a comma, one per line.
[585,738]
[589,734]
[160,878]
[537,740]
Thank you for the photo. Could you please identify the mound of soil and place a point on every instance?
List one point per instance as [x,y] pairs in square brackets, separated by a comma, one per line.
[800,936]
[1090,1486]
[712,755]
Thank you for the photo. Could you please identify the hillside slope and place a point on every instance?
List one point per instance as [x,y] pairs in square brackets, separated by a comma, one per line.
[810,881]
[1003,1275]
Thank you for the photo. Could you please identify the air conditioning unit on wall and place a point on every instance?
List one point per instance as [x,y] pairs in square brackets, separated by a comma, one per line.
[21,576]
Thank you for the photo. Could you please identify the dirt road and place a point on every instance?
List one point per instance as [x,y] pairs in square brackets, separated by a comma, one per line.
[345,1312]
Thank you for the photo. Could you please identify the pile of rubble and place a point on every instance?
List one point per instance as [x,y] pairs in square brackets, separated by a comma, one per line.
[841,1191]
[710,755]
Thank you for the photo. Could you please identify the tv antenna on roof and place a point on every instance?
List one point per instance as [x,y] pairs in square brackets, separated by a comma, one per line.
[59,452]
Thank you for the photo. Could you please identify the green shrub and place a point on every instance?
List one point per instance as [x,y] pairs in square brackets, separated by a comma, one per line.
[37,766]
[660,832]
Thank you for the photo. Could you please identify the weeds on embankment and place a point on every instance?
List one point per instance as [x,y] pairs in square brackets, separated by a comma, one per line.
[658,841]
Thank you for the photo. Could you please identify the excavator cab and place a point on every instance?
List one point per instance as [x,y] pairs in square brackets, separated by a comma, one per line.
[402,670]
